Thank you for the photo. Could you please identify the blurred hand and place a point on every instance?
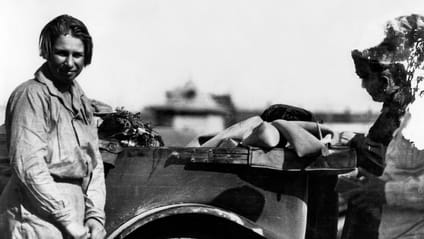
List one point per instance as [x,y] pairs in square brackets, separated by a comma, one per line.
[96,229]
[345,137]
[370,194]
[77,231]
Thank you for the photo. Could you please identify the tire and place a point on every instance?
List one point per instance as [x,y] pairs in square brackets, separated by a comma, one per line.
[192,227]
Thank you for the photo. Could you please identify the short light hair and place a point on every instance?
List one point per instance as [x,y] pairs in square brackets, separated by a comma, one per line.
[63,25]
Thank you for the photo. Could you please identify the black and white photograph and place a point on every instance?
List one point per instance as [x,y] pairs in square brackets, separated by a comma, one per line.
[212,119]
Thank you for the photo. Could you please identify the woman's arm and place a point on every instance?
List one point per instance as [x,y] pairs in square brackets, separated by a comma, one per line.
[408,193]
[96,189]
[26,122]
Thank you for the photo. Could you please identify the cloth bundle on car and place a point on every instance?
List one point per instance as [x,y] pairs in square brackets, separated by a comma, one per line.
[303,141]
[278,126]
[299,127]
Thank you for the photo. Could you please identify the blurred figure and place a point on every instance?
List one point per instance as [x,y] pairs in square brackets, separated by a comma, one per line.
[385,82]
[391,73]
[57,187]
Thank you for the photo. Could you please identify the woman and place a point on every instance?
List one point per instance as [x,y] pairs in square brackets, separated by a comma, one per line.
[57,187]
[400,189]
[387,83]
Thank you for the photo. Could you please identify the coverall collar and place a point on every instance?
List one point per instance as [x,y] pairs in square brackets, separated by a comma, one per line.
[78,94]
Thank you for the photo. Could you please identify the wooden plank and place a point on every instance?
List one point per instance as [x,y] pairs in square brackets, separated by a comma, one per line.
[212,155]
[338,160]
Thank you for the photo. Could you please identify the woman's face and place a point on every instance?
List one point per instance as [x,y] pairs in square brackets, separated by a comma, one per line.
[67,59]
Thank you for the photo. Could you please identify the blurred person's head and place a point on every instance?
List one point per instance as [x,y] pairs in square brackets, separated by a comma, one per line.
[286,112]
[67,46]
[390,66]
[380,80]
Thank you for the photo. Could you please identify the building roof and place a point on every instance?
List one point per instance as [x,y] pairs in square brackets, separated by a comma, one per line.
[188,99]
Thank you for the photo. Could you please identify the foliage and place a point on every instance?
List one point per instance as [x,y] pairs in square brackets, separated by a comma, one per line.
[129,128]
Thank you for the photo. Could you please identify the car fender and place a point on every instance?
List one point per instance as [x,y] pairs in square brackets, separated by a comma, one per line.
[151,215]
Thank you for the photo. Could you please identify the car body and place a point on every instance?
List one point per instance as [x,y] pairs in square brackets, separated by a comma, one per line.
[239,192]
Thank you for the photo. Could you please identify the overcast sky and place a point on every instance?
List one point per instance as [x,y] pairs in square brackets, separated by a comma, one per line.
[259,51]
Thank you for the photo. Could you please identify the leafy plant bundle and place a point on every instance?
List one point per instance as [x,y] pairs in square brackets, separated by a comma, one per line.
[129,129]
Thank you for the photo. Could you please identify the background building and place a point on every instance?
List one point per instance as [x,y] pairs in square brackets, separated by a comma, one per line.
[190,111]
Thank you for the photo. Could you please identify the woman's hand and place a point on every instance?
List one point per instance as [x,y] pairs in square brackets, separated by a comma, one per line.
[95,228]
[77,231]
[370,194]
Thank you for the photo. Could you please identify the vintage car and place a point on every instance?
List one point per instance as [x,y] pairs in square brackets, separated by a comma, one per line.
[239,192]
